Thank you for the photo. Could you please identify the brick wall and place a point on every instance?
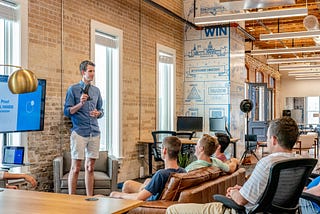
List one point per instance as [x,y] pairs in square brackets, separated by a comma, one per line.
[56,47]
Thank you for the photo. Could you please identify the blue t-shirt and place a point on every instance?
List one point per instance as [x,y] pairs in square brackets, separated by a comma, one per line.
[158,182]
[314,183]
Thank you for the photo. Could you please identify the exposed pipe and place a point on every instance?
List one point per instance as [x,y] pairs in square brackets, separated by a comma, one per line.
[169,12]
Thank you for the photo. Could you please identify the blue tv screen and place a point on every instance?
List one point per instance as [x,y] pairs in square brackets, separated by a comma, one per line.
[21,112]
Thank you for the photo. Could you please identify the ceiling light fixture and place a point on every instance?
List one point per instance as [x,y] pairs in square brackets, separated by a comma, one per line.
[315,73]
[289,35]
[297,67]
[307,78]
[285,50]
[292,60]
[271,14]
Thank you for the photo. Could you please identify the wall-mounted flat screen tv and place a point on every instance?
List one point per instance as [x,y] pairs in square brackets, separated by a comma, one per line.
[188,123]
[21,112]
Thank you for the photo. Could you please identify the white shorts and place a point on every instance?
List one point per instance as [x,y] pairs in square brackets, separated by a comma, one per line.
[82,147]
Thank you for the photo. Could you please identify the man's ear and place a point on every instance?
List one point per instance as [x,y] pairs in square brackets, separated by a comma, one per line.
[164,150]
[200,148]
[219,148]
[274,140]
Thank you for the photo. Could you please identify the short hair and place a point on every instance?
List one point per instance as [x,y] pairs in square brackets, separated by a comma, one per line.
[173,145]
[286,130]
[209,143]
[84,64]
[223,140]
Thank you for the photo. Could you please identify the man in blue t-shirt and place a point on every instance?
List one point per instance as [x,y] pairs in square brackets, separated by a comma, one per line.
[308,206]
[152,189]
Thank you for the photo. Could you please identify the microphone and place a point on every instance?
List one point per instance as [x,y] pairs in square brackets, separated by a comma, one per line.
[86,91]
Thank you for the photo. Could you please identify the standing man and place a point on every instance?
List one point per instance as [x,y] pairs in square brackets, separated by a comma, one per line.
[83,105]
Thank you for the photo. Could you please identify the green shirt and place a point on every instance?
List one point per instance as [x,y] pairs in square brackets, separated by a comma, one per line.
[201,163]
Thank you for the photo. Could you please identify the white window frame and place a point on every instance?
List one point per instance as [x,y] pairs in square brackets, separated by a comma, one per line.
[116,105]
[164,49]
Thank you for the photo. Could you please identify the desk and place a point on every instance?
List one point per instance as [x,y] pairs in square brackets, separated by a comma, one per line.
[187,141]
[22,201]
[315,147]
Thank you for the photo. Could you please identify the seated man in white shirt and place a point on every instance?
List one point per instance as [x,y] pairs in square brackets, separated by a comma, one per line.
[282,135]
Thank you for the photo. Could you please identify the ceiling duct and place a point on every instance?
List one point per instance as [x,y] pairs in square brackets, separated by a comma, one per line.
[311,23]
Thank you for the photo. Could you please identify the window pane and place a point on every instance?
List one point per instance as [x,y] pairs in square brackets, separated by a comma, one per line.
[9,54]
[311,118]
[165,97]
[313,103]
[312,110]
[107,46]
[165,88]
[102,61]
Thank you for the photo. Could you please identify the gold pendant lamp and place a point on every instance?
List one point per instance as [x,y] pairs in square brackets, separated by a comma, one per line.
[22,80]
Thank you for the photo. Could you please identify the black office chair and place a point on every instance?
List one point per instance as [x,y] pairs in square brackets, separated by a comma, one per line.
[250,146]
[157,141]
[186,148]
[186,155]
[287,178]
[185,134]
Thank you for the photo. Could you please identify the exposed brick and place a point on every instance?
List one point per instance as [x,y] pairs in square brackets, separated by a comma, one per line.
[143,27]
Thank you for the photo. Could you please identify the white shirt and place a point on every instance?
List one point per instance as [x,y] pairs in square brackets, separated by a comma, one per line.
[254,187]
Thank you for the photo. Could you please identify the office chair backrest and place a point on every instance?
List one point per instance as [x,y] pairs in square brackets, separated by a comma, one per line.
[286,181]
[157,141]
[184,134]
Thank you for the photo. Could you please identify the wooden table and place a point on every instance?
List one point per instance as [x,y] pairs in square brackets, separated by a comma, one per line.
[186,141]
[25,202]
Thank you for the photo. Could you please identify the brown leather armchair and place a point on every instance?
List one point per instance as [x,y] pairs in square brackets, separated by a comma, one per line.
[105,174]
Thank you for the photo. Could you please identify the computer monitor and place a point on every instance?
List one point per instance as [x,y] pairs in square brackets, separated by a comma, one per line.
[188,123]
[217,124]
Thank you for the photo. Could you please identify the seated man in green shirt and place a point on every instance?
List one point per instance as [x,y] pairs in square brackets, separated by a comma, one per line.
[205,148]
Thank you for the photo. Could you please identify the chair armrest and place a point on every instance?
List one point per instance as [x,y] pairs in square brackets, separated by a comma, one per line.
[57,173]
[311,197]
[113,167]
[229,203]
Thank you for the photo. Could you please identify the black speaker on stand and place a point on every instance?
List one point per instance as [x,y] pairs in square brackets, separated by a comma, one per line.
[246,106]
[286,113]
